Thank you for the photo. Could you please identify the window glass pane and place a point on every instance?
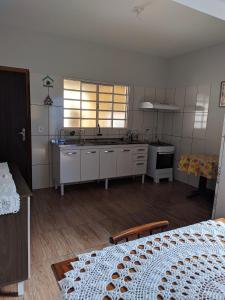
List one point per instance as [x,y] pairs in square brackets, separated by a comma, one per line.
[105,114]
[120,98]
[105,97]
[119,123]
[105,106]
[88,105]
[120,89]
[71,104]
[71,123]
[119,115]
[70,113]
[89,96]
[89,87]
[88,123]
[105,123]
[120,107]
[106,88]
[88,114]
[71,95]
[71,84]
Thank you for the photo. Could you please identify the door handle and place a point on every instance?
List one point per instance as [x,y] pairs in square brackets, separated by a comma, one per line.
[23,134]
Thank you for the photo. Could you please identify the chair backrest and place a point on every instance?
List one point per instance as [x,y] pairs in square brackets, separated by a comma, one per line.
[138,230]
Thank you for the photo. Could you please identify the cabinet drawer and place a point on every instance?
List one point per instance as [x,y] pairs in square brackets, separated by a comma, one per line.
[140,167]
[141,150]
[140,156]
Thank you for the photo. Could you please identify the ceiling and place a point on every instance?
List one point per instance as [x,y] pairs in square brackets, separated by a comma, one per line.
[164,28]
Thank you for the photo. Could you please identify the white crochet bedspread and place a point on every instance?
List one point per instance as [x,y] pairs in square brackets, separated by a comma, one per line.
[9,198]
[186,263]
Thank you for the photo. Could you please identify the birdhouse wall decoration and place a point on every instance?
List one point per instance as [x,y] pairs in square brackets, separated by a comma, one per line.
[48,83]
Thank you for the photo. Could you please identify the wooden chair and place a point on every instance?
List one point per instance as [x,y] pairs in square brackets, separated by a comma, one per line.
[138,230]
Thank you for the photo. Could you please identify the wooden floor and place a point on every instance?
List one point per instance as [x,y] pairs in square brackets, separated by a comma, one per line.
[87,215]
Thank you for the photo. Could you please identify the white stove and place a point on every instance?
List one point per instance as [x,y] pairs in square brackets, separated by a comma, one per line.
[160,161]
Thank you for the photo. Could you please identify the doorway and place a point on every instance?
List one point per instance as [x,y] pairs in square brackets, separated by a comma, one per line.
[15,120]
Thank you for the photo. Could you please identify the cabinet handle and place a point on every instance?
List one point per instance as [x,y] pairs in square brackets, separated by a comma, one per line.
[125,150]
[109,151]
[141,150]
[140,156]
[70,153]
[165,153]
[91,152]
[139,164]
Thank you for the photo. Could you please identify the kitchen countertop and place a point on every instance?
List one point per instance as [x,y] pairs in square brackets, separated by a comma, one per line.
[98,142]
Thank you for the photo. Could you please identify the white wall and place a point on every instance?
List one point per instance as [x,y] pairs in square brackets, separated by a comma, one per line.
[66,57]
[61,57]
[196,77]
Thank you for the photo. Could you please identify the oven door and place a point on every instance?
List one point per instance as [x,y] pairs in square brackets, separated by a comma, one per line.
[164,160]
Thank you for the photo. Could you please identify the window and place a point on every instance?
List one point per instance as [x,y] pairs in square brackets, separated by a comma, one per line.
[200,120]
[88,104]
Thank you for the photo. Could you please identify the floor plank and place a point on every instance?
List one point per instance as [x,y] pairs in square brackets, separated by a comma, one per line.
[83,220]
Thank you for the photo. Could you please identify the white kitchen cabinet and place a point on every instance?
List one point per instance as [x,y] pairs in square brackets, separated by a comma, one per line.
[139,167]
[89,164]
[124,161]
[69,166]
[75,163]
[108,162]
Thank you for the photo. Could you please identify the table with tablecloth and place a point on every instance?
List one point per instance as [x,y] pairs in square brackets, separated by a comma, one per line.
[200,165]
[185,263]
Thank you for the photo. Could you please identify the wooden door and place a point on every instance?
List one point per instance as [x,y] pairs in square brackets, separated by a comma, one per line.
[15,124]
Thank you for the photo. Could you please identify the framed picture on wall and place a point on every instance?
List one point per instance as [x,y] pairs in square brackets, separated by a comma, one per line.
[222,94]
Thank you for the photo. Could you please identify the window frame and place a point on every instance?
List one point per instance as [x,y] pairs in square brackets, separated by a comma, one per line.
[97,110]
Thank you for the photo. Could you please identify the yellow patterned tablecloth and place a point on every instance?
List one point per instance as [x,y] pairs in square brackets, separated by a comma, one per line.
[199,165]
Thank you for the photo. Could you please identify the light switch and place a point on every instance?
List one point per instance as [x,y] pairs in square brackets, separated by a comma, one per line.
[40,129]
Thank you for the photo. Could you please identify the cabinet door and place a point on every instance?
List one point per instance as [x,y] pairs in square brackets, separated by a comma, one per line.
[124,162]
[69,166]
[14,245]
[108,159]
[89,164]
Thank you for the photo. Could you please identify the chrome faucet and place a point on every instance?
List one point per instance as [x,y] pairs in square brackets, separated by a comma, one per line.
[61,133]
[99,131]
